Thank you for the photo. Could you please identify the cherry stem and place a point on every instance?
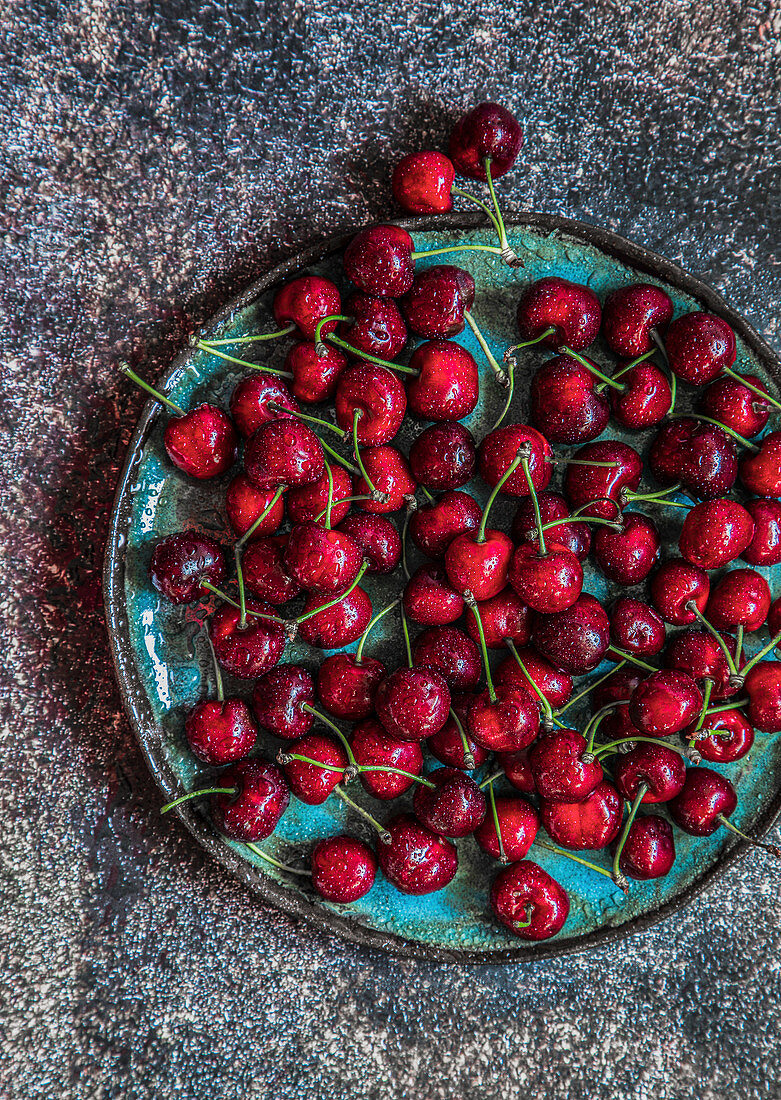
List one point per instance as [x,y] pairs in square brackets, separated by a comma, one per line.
[750,386]
[337,599]
[660,496]
[405,631]
[481,204]
[131,374]
[569,855]
[507,253]
[591,367]
[458,248]
[584,519]
[247,339]
[673,392]
[333,339]
[338,458]
[471,603]
[329,500]
[545,706]
[275,862]
[708,689]
[739,644]
[692,606]
[342,500]
[590,688]
[733,704]
[490,779]
[618,877]
[635,363]
[242,593]
[772,848]
[332,726]
[510,353]
[555,461]
[469,760]
[404,531]
[522,451]
[604,750]
[774,641]
[319,329]
[251,530]
[285,758]
[309,419]
[594,722]
[508,401]
[500,372]
[543,550]
[203,346]
[227,599]
[385,836]
[357,452]
[369,628]
[216,666]
[497,828]
[519,925]
[625,655]
[397,771]
[429,496]
[196,794]
[741,439]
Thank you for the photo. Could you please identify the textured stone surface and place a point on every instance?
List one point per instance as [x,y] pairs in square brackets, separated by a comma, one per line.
[155,158]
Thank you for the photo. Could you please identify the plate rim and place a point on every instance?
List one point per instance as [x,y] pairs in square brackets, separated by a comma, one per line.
[132,690]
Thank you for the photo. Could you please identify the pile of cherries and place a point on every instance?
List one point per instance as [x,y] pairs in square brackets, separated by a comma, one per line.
[325,499]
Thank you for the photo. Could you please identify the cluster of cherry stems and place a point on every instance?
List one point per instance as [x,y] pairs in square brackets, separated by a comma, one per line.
[521,593]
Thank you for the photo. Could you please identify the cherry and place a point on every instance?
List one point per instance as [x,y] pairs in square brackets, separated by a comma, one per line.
[443,456]
[282,700]
[588,824]
[315,371]
[774,617]
[645,397]
[628,555]
[390,476]
[429,599]
[500,448]
[379,261]
[346,686]
[724,738]
[373,746]
[741,598]
[700,346]
[528,901]
[451,653]
[370,402]
[575,639]
[503,616]
[699,655]
[377,539]
[735,405]
[180,563]
[322,561]
[455,807]
[422,183]
[564,404]
[560,774]
[445,386]
[246,652]
[676,585]
[664,703]
[309,782]
[715,532]
[343,869]
[571,310]
[249,403]
[547,582]
[452,744]
[554,684]
[487,132]
[253,811]
[245,504]
[417,861]
[334,625]
[585,486]
[635,628]
[220,731]
[435,304]
[553,508]
[656,767]
[763,687]
[697,455]
[309,502]
[760,471]
[412,703]
[516,823]
[374,327]
[706,800]
[283,452]
[649,848]
[504,719]
[265,571]
[631,315]
[304,302]
[616,723]
[517,770]
[433,526]
[765,546]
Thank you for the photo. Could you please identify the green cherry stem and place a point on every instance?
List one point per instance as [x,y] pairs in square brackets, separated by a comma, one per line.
[469,760]
[481,204]
[309,419]
[490,779]
[227,599]
[615,524]
[733,704]
[605,378]
[774,641]
[708,689]
[500,372]
[342,500]
[619,373]
[692,606]
[275,862]
[240,582]
[545,706]
[404,531]
[217,672]
[605,750]
[522,450]
[495,815]
[507,253]
[339,458]
[203,346]
[334,728]
[384,835]
[618,876]
[772,848]
[196,794]
[741,439]
[589,733]
[471,603]
[590,688]
[357,413]
[246,339]
[568,855]
[651,497]
[131,374]
[458,248]
[625,655]
[739,644]
[750,386]
[543,550]
[405,632]
[251,530]
[329,500]
[370,627]
[337,599]
[511,352]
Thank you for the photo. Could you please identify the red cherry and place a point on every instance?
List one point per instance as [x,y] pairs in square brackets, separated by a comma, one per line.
[554,683]
[417,861]
[279,700]
[315,370]
[735,405]
[630,315]
[575,639]
[338,625]
[309,782]
[628,556]
[479,567]
[636,628]
[181,562]
[675,585]
[377,538]
[645,399]
[503,616]
[589,824]
[506,723]
[649,849]
[586,484]
[304,302]
[700,456]
[454,808]
[266,574]
[661,769]
[308,502]
[715,532]
[760,471]
[422,182]
[249,404]
[447,384]
[774,617]
[434,526]
[705,799]
[763,687]
[564,404]
[664,703]
[699,347]
[518,825]
[560,774]
[379,399]
[699,655]
[498,451]
[245,503]
[574,536]
[529,902]
[448,745]
[443,456]
[347,687]
[548,582]
[253,812]
[323,562]
[220,731]
[451,653]
[724,738]
[741,598]
[373,745]
[377,326]
[379,261]
[283,452]
[343,869]
[435,303]
[412,703]
[389,474]
[572,310]
[250,651]
[429,599]
[202,442]
[488,131]
[765,546]
[517,770]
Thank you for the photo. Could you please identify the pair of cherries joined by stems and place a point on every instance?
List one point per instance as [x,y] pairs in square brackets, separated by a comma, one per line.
[675,698]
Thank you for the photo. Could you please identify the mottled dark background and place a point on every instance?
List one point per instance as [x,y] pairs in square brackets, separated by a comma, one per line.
[156,156]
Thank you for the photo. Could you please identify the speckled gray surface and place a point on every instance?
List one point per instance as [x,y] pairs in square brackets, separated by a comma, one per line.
[156,157]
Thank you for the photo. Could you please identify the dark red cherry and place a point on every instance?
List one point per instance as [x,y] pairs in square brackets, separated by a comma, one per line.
[249,404]
[649,849]
[250,651]
[575,639]
[706,797]
[760,471]
[735,405]
[479,567]
[503,616]
[315,372]
[443,457]
[379,261]
[645,398]
[435,303]
[628,556]
[548,582]
[430,599]
[343,869]
[390,474]
[447,384]
[586,484]
[765,546]
[377,326]
[448,745]
[304,302]
[763,687]
[220,731]
[417,861]
[674,585]
[700,456]
[498,451]
[412,703]
[517,770]
[574,536]
[279,700]
[203,442]
[572,310]
[434,525]
[422,182]
[636,628]
[283,452]
[339,625]
[309,502]
[490,132]
[589,824]
[323,561]
[451,653]
[346,687]
[180,563]
[741,598]
[774,617]
[253,812]
[506,723]
[378,539]
[529,902]
[699,655]
[266,573]
[664,703]
[554,683]
[245,503]
[309,782]
[699,346]
[660,769]
[715,532]
[377,396]
[518,824]
[454,808]
[373,745]
[564,404]
[630,315]
[560,774]
[724,738]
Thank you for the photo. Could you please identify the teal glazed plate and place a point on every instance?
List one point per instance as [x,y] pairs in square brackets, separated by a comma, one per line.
[162,660]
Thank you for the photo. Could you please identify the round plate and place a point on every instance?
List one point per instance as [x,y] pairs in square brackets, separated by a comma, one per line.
[163,667]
